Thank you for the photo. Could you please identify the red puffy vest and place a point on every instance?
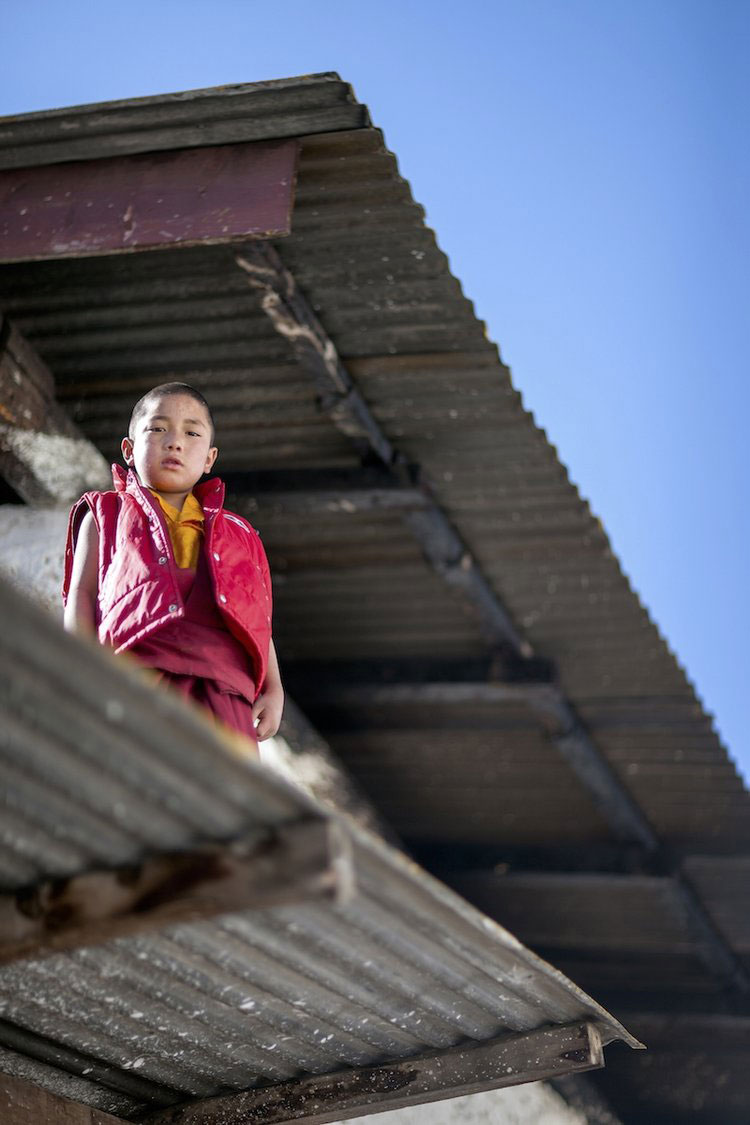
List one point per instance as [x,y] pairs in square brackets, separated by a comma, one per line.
[138,588]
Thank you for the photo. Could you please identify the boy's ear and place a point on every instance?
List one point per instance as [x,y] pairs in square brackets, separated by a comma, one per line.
[211,456]
[126,446]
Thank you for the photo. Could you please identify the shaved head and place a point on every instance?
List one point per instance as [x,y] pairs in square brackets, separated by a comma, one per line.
[161,391]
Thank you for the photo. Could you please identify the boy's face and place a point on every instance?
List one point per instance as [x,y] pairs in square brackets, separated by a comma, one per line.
[170,448]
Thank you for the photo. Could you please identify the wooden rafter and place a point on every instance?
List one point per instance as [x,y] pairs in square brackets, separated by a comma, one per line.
[294,319]
[120,204]
[643,850]
[467,1069]
[298,863]
[43,454]
[548,704]
[327,491]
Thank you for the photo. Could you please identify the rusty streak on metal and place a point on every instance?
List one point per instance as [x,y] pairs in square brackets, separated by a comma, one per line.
[466,1069]
[298,863]
[189,196]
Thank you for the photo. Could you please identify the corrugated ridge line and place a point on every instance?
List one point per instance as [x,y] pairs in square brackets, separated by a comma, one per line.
[220,115]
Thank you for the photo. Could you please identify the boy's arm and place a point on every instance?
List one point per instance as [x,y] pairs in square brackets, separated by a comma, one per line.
[80,608]
[270,704]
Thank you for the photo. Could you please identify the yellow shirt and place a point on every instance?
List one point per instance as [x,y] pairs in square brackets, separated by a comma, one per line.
[185,529]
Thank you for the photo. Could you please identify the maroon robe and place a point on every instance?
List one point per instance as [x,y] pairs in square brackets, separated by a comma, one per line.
[198,656]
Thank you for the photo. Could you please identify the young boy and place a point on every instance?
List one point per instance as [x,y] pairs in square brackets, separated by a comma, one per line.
[158,568]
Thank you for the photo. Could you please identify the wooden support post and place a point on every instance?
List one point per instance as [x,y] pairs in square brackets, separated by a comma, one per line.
[468,1069]
[297,863]
[187,197]
[43,454]
[23,1103]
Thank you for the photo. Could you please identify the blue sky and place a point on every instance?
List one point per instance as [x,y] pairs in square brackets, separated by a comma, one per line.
[586,166]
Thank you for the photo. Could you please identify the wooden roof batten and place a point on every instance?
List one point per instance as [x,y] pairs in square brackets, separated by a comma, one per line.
[467,1069]
[316,1100]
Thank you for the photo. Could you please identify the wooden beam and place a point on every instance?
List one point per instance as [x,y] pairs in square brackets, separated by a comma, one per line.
[547,703]
[43,454]
[300,862]
[23,1103]
[467,1069]
[314,677]
[199,195]
[718,955]
[443,547]
[446,551]
[294,319]
[320,492]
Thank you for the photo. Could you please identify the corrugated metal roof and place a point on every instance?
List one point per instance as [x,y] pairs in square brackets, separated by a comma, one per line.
[109,328]
[266,995]
[225,114]
[353,587]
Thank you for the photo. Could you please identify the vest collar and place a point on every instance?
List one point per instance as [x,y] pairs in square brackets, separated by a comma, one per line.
[210,493]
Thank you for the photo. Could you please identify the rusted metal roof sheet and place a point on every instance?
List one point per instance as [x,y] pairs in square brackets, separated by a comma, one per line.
[98,770]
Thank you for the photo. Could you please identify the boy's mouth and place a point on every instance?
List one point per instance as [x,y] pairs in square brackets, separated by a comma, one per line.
[171,463]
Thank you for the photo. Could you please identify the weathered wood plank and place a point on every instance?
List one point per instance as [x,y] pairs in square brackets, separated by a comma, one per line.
[215,194]
[301,862]
[22,1103]
[43,454]
[467,1069]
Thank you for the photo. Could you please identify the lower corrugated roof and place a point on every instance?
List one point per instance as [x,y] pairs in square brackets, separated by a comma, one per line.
[100,770]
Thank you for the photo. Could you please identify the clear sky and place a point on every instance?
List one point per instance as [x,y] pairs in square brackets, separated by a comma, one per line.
[586,166]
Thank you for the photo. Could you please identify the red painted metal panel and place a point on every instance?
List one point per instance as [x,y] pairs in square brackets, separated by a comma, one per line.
[215,194]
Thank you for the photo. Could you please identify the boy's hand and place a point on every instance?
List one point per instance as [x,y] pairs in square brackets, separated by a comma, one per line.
[267,711]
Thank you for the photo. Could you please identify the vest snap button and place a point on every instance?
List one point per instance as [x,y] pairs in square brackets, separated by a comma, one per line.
[162,560]
[173,608]
[217,557]
[223,598]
